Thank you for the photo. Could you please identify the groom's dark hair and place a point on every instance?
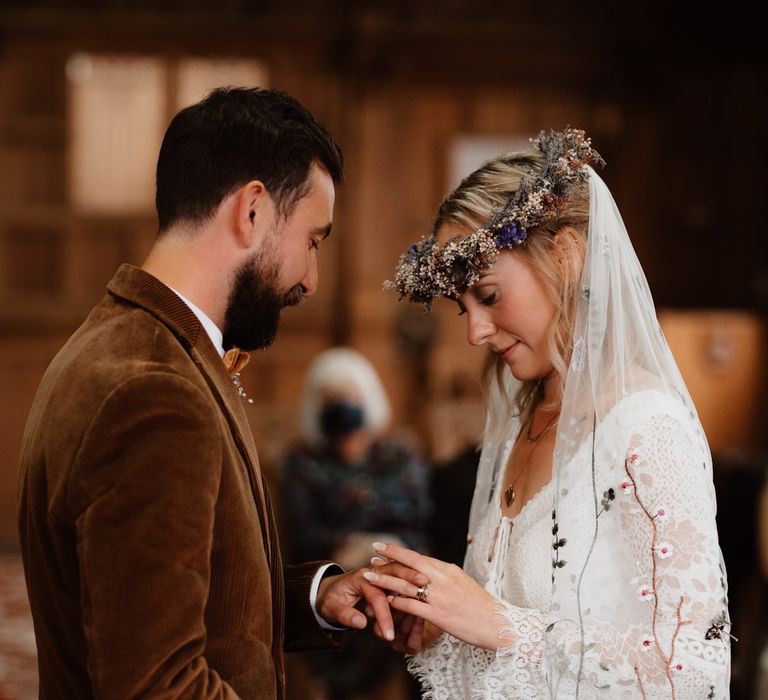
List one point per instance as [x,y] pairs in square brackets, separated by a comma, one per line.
[233,136]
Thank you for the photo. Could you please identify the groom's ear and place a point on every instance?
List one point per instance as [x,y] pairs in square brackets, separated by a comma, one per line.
[253,215]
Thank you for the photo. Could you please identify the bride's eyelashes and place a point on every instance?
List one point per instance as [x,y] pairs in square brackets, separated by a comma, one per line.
[490,299]
[487,300]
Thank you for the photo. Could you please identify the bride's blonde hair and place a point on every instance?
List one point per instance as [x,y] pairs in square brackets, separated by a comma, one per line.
[555,251]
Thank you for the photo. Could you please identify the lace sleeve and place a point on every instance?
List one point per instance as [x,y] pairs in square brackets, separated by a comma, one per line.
[648,610]
[639,606]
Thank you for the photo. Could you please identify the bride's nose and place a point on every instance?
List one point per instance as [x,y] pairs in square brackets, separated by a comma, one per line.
[479,328]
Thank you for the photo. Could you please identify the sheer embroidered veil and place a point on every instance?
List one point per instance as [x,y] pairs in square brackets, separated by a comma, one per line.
[618,350]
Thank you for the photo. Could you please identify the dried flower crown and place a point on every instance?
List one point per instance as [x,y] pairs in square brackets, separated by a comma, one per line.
[428,270]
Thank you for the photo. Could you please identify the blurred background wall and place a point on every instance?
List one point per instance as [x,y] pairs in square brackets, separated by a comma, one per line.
[417,94]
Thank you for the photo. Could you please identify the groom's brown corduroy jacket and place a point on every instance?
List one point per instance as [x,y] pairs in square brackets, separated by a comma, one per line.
[149,543]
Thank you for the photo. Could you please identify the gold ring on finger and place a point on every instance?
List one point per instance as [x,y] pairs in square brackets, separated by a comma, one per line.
[422,593]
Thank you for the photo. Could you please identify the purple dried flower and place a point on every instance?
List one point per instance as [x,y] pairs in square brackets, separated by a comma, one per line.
[427,271]
[511,233]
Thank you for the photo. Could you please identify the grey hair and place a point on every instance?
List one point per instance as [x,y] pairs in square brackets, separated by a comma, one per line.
[339,367]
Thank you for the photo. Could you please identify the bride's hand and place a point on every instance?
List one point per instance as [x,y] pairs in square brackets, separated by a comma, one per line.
[453,601]
[412,634]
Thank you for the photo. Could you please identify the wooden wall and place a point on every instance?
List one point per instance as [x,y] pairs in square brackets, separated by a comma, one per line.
[397,88]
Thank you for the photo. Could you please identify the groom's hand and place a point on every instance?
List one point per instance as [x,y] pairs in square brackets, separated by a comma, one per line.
[337,597]
[409,631]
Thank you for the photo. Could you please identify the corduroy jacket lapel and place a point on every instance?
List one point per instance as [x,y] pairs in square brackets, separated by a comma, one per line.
[139,287]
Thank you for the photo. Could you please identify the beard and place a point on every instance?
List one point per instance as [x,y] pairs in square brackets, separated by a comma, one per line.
[255,302]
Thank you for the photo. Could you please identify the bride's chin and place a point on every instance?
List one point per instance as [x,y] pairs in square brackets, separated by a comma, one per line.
[527,374]
[521,375]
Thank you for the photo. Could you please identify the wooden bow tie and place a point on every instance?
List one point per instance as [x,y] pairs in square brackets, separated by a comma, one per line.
[235,359]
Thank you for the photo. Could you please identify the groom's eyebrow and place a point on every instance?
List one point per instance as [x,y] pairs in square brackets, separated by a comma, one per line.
[324,230]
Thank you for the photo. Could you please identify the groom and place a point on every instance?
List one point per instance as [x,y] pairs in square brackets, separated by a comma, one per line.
[150,550]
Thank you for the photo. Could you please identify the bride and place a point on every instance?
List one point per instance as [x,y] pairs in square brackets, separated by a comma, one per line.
[592,567]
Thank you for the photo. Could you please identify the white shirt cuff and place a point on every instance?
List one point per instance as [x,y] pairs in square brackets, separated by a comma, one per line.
[313,598]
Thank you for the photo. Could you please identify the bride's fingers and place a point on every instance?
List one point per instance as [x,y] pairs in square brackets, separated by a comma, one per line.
[391,583]
[414,607]
[404,572]
[426,565]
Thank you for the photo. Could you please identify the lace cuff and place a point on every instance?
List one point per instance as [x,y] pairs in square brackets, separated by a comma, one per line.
[451,669]
[520,657]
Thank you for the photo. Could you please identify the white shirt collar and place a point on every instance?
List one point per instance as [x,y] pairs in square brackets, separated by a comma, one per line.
[216,336]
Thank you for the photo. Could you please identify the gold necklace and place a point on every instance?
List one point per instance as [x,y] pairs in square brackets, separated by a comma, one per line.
[509,493]
[538,437]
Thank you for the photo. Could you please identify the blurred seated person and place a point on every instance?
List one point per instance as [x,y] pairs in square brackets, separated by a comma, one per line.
[343,486]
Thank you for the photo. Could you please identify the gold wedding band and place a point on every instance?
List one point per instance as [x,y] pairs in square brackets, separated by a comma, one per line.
[422,593]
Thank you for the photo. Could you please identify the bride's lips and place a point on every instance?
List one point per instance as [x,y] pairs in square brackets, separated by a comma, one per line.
[507,351]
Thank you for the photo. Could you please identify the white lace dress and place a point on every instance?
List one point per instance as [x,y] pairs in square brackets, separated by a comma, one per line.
[667,587]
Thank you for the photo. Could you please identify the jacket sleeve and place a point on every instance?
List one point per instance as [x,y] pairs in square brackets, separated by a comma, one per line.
[143,489]
[302,632]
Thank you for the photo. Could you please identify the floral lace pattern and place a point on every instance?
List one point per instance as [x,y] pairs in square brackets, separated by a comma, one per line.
[630,625]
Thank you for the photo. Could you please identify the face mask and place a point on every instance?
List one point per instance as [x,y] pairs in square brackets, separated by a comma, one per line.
[340,418]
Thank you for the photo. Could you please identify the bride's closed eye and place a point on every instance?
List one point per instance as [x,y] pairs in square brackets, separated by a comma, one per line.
[487,300]
[490,299]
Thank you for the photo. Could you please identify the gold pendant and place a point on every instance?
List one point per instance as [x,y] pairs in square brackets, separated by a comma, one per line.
[509,496]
